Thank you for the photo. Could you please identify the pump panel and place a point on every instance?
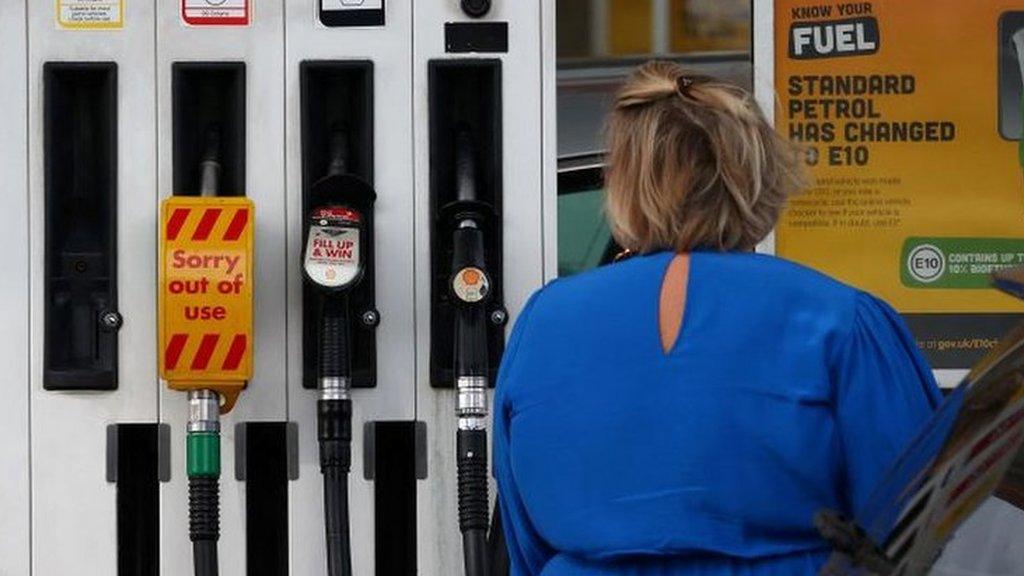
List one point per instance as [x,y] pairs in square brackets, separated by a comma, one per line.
[81,226]
[108,122]
[209,95]
[465,97]
[338,99]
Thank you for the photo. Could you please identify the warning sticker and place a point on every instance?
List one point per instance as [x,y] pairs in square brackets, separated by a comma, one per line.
[352,12]
[90,14]
[206,291]
[215,12]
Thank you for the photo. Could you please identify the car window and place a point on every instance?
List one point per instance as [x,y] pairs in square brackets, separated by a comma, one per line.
[583,233]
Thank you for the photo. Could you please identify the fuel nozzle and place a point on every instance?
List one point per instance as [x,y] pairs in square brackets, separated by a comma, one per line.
[333,263]
[203,467]
[470,285]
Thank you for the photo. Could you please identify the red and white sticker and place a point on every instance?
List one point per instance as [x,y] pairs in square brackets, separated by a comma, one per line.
[216,12]
[337,213]
[332,255]
[471,285]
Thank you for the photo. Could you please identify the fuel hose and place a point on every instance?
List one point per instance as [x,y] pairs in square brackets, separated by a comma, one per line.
[202,447]
[333,264]
[470,285]
[202,443]
[334,432]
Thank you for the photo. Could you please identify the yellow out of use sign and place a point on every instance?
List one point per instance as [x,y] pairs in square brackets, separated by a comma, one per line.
[206,294]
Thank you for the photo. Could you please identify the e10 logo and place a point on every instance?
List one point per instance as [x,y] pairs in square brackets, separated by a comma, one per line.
[926,263]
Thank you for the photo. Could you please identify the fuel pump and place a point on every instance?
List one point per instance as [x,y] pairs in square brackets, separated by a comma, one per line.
[205,314]
[333,264]
[470,285]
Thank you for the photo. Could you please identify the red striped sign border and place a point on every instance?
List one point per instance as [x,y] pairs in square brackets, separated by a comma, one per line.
[206,221]
[208,345]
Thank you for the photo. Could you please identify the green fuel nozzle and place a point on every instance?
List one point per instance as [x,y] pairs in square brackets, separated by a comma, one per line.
[202,455]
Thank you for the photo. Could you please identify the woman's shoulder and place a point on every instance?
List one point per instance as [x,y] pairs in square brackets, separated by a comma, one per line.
[621,283]
[756,284]
[774,271]
[796,288]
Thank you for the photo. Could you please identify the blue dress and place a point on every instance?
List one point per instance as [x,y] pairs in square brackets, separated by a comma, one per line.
[786,392]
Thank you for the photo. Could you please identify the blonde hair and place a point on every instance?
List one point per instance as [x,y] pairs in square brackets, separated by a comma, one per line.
[692,163]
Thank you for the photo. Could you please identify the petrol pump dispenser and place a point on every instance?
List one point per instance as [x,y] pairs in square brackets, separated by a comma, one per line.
[205,316]
[334,263]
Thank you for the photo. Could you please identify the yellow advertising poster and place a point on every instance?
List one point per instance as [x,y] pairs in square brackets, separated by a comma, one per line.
[90,14]
[910,111]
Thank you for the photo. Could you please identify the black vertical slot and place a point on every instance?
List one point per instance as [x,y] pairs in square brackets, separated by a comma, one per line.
[266,498]
[465,95]
[208,96]
[138,499]
[338,95]
[394,465]
[80,168]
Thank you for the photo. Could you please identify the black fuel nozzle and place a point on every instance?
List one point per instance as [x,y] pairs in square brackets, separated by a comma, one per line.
[335,228]
[334,263]
[470,284]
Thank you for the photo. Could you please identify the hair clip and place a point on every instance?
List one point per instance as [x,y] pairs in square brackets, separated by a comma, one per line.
[625,254]
[683,85]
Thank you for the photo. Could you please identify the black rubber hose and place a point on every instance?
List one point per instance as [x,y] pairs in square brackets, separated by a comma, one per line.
[209,165]
[497,548]
[471,446]
[339,546]
[204,523]
[474,552]
[334,424]
[334,432]
[337,152]
[204,558]
[465,167]
[334,338]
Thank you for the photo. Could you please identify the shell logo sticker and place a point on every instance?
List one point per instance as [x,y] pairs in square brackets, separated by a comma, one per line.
[471,285]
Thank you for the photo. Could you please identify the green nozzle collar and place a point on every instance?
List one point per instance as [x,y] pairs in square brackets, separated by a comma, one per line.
[203,454]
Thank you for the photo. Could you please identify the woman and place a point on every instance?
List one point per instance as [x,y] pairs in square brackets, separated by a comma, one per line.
[687,411]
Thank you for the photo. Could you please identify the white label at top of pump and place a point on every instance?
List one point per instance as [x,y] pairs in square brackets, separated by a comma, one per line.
[216,12]
[90,14]
[351,4]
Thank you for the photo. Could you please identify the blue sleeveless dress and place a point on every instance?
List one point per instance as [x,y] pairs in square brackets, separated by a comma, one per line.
[786,392]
